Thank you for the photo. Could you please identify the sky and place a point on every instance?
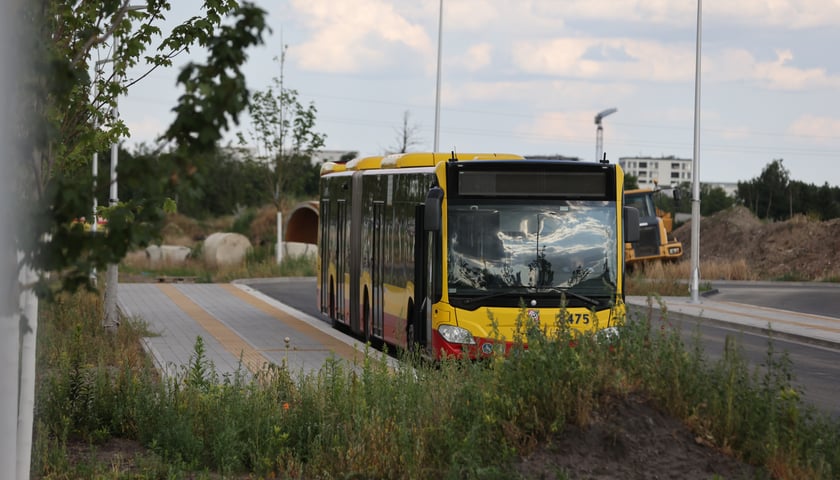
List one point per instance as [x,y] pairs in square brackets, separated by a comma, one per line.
[529,76]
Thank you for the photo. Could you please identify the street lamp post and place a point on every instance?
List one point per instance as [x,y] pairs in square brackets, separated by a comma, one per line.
[437,87]
[111,321]
[599,132]
[112,275]
[694,283]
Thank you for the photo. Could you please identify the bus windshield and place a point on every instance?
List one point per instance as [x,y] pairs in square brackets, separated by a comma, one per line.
[496,247]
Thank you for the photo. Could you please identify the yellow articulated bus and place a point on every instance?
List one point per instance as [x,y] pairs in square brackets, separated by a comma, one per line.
[441,252]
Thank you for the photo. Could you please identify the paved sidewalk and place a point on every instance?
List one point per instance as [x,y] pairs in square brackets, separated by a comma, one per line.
[242,330]
[803,327]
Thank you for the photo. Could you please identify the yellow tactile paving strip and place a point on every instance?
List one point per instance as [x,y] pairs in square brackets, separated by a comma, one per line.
[230,340]
[338,347]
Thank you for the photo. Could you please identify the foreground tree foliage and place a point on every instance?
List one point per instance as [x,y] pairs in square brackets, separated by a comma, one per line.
[80,54]
[63,105]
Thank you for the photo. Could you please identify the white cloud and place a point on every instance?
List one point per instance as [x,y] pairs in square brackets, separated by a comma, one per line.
[355,36]
[536,95]
[468,14]
[560,127]
[475,58]
[778,74]
[594,58]
[785,14]
[650,61]
[816,128]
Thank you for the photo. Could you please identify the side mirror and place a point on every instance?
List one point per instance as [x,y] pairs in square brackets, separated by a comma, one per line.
[631,224]
[433,210]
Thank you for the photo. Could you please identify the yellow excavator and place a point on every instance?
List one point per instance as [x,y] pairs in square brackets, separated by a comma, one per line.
[655,240]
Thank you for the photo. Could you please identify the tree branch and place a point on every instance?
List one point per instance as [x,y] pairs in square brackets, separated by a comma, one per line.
[98,39]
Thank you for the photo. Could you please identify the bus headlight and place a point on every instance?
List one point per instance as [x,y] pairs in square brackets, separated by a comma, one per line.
[453,334]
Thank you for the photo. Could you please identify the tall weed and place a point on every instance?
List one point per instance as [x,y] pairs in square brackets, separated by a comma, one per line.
[454,419]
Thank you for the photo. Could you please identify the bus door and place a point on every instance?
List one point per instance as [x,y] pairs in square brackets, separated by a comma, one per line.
[340,259]
[324,284]
[377,267]
[417,320]
[355,252]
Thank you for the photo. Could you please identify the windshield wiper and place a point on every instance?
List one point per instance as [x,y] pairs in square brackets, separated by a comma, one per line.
[531,290]
[570,293]
[496,294]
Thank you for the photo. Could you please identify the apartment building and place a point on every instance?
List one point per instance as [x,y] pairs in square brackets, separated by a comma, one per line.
[668,170]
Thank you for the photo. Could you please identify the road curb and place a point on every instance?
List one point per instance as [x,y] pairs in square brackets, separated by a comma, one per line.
[738,327]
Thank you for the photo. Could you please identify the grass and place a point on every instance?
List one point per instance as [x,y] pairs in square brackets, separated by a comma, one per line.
[453,420]
[671,279]
[259,263]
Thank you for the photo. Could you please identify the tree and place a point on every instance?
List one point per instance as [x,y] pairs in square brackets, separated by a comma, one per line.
[69,123]
[347,157]
[713,200]
[406,137]
[220,185]
[768,195]
[631,182]
[284,131]
[62,122]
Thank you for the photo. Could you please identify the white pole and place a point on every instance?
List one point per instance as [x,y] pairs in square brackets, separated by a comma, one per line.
[95,164]
[26,405]
[437,88]
[10,54]
[112,274]
[112,320]
[695,171]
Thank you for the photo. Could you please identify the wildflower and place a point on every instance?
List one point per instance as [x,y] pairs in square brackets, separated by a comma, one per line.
[285,405]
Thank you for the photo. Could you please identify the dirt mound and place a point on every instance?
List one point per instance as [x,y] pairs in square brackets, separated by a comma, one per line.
[631,440]
[797,249]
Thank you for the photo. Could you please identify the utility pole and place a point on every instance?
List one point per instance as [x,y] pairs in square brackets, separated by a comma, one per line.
[437,88]
[599,132]
[112,321]
[95,163]
[695,172]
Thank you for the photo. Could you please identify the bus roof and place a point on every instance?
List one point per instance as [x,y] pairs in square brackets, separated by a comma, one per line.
[332,167]
[366,163]
[408,160]
[427,159]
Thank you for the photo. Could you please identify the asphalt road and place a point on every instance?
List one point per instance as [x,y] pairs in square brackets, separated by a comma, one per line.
[815,369]
[815,298]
